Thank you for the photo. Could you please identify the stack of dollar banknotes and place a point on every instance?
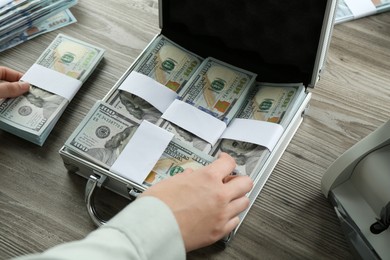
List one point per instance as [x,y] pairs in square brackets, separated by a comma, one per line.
[22,20]
[352,9]
[217,88]
[33,115]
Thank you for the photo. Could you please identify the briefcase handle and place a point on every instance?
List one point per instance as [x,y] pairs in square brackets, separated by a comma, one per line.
[93,182]
[96,181]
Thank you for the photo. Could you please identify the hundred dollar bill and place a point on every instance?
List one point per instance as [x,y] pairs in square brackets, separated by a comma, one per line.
[33,115]
[102,135]
[266,102]
[344,13]
[218,88]
[22,19]
[7,5]
[176,158]
[71,57]
[165,62]
[22,10]
[185,136]
[133,106]
[270,102]
[55,22]
[168,63]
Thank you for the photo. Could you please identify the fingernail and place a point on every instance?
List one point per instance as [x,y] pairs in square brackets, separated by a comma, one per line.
[24,86]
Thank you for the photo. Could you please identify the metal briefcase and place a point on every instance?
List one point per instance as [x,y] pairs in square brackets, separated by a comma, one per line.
[280,42]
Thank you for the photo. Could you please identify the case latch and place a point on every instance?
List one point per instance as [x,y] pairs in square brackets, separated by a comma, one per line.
[133,193]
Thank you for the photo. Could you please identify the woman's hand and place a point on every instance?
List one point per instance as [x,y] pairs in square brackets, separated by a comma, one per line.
[206,202]
[10,86]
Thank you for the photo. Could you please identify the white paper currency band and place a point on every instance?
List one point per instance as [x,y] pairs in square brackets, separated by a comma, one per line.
[253,131]
[150,90]
[52,81]
[360,8]
[142,152]
[195,121]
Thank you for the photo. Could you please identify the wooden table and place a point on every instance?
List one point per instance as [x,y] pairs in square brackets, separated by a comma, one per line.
[41,204]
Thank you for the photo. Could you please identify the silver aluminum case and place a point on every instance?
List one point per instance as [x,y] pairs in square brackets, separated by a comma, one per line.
[100,177]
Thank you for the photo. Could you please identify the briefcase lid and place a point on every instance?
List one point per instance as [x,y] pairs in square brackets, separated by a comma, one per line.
[281,41]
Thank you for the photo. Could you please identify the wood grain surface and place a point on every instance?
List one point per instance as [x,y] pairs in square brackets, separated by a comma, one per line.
[41,204]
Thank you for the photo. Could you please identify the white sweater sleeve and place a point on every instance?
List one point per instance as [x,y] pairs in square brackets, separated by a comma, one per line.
[146,229]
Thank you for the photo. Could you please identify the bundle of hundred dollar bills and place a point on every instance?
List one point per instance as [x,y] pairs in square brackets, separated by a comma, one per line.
[22,20]
[54,79]
[216,88]
[353,9]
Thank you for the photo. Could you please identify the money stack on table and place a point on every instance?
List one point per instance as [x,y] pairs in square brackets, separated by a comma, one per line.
[23,20]
[33,115]
[352,9]
[218,89]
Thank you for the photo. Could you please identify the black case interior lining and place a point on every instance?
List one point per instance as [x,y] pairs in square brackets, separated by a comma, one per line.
[276,39]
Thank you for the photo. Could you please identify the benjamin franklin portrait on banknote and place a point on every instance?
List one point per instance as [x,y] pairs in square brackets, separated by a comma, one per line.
[45,100]
[113,147]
